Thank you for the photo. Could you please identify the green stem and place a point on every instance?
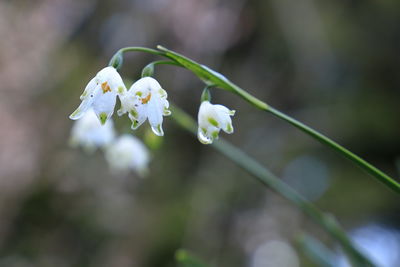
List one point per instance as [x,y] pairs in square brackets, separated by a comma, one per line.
[164,62]
[140,49]
[148,70]
[216,79]
[267,178]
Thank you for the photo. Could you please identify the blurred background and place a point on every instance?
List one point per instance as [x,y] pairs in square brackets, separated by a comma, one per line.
[332,64]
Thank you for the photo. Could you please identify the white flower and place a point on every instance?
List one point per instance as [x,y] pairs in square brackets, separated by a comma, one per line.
[211,119]
[100,94]
[90,134]
[128,152]
[145,100]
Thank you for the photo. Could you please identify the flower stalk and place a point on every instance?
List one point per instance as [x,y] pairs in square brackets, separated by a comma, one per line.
[215,79]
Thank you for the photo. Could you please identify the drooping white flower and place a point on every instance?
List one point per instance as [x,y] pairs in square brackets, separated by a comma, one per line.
[100,94]
[128,153]
[211,119]
[90,134]
[145,100]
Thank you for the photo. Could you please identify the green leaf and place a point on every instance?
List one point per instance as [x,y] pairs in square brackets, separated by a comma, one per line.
[209,76]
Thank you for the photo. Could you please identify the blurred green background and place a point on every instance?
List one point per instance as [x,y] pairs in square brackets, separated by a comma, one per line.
[332,64]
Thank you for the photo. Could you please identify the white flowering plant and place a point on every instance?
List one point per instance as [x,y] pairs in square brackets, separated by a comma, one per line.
[147,100]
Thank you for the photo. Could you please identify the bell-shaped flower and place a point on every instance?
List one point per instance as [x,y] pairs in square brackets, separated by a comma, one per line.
[145,100]
[128,153]
[211,119]
[100,94]
[90,134]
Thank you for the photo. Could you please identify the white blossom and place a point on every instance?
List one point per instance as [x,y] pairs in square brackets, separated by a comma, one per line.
[145,100]
[211,119]
[100,94]
[128,153]
[90,134]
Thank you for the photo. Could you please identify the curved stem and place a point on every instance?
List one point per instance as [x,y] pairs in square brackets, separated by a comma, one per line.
[263,175]
[148,70]
[140,49]
[216,79]
[164,62]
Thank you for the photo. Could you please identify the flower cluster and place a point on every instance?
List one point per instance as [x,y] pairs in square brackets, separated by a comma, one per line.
[145,100]
[90,134]
[122,153]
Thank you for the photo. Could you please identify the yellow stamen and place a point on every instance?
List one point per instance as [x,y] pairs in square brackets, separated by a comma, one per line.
[106,88]
[146,99]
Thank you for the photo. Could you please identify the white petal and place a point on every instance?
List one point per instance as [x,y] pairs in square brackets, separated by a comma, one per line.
[223,110]
[155,114]
[90,134]
[87,98]
[128,101]
[203,138]
[104,104]
[127,153]
[153,84]
[225,122]
[162,93]
[89,89]
[224,118]
[111,76]
[166,111]
[207,135]
[203,114]
[157,109]
[137,115]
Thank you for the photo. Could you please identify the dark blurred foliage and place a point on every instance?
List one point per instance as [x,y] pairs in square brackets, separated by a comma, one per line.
[332,64]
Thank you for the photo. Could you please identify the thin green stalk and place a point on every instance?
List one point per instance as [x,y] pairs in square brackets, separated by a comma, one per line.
[141,49]
[148,70]
[118,58]
[263,175]
[213,78]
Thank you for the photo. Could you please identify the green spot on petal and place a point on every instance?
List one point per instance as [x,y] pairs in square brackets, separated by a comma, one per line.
[120,89]
[84,94]
[215,135]
[134,124]
[162,92]
[204,130]
[103,118]
[133,112]
[213,122]
[229,128]
[138,93]
[75,113]
[166,112]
